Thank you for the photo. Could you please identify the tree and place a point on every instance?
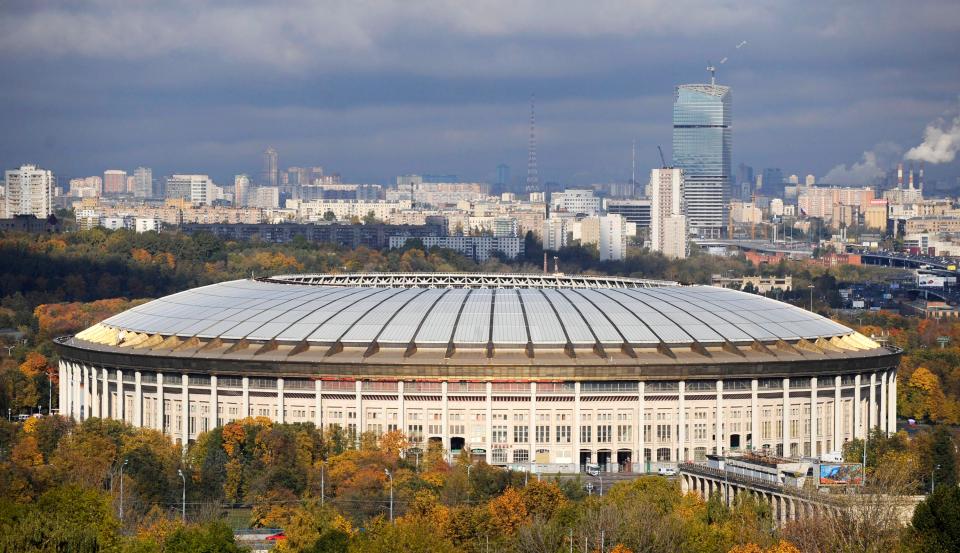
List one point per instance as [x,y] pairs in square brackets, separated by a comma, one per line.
[508,512]
[935,527]
[329,216]
[67,518]
[943,457]
[212,537]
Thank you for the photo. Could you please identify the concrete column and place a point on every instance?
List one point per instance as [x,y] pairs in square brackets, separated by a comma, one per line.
[532,430]
[105,411]
[489,422]
[137,399]
[719,419]
[883,401]
[214,403]
[61,388]
[318,404]
[95,403]
[121,402]
[786,417]
[245,402]
[86,386]
[402,416]
[641,445]
[892,403]
[857,409]
[754,414]
[576,425]
[185,410]
[161,404]
[280,418]
[681,423]
[813,416]
[76,375]
[872,403]
[358,387]
[837,415]
[445,417]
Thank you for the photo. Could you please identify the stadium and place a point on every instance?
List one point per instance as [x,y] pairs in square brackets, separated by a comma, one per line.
[548,372]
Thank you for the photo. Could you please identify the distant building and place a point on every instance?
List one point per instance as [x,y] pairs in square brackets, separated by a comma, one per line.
[668,223]
[773,184]
[479,248]
[147,224]
[608,233]
[760,284]
[241,188]
[702,146]
[264,197]
[29,191]
[505,226]
[503,175]
[555,233]
[810,180]
[114,182]
[143,182]
[30,224]
[87,187]
[577,201]
[634,211]
[271,164]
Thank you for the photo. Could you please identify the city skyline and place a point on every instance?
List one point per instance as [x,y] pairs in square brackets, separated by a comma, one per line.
[371,101]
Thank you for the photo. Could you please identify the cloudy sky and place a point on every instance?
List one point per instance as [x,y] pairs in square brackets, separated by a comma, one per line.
[373,89]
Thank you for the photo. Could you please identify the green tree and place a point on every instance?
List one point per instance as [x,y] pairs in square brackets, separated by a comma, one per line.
[935,527]
[68,518]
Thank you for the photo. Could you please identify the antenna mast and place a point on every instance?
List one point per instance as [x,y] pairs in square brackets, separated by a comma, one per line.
[633,162]
[533,176]
[663,160]
[713,73]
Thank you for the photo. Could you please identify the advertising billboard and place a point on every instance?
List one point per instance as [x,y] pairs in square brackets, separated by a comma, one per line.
[840,474]
[931,281]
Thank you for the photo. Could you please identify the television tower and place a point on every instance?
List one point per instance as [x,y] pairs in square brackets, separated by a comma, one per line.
[533,177]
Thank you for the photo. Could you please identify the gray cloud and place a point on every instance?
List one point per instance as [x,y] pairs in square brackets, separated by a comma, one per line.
[374,88]
[941,140]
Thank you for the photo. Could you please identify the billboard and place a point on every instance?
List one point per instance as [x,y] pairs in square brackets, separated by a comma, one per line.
[931,281]
[840,474]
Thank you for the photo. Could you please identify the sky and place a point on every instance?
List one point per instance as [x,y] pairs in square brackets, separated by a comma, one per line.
[374,89]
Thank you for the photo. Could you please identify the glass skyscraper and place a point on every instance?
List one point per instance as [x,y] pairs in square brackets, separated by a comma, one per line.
[701,147]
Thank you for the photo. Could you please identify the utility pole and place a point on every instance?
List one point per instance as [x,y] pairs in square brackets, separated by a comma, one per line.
[390,476]
[183,504]
[121,488]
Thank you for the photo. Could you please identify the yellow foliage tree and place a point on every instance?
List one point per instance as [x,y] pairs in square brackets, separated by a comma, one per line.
[507,512]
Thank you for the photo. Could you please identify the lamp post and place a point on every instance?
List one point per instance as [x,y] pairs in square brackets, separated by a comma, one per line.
[811,296]
[322,464]
[933,478]
[183,504]
[390,476]
[125,461]
[600,476]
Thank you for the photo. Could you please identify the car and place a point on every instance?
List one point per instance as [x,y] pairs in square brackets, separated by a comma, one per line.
[667,471]
[592,469]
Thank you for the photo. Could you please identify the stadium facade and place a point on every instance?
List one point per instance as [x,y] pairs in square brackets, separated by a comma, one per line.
[552,370]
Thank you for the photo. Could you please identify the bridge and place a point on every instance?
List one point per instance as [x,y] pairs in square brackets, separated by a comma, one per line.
[789,248]
[894,259]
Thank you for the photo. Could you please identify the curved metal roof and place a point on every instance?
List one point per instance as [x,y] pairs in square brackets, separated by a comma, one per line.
[469,317]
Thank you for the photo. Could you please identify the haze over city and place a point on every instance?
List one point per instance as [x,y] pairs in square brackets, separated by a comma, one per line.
[443,87]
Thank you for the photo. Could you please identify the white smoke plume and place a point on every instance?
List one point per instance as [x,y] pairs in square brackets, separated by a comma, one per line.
[872,165]
[941,141]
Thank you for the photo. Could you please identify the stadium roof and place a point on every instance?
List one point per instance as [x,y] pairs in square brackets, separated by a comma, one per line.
[307,319]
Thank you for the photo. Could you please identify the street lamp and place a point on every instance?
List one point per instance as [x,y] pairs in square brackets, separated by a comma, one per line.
[811,296]
[322,464]
[390,476]
[125,461]
[933,477]
[600,476]
[183,505]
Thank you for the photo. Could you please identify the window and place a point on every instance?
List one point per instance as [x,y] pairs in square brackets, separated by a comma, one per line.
[521,456]
[604,434]
[664,432]
[520,434]
[543,434]
[457,429]
[563,434]
[585,432]
[435,429]
[499,455]
[700,431]
[663,454]
[624,433]
[500,436]
[415,433]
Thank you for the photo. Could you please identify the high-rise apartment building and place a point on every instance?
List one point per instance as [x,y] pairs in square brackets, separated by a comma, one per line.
[773,184]
[29,191]
[86,187]
[608,233]
[503,175]
[143,182]
[271,164]
[702,145]
[241,190]
[199,189]
[114,182]
[668,224]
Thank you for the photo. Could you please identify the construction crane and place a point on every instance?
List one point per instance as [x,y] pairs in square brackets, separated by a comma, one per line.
[663,160]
